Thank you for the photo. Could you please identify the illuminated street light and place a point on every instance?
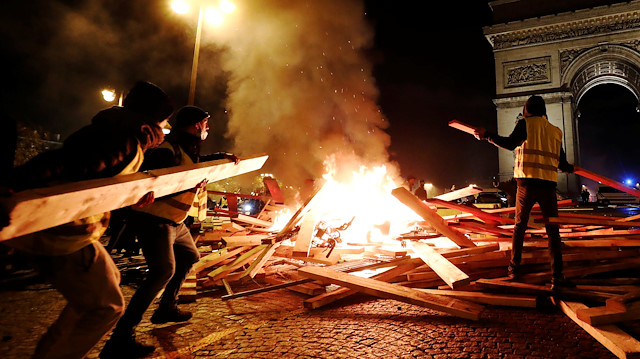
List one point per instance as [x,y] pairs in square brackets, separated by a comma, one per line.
[215,16]
[109,95]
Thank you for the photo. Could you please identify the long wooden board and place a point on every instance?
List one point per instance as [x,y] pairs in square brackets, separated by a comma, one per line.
[458,125]
[43,208]
[613,338]
[459,193]
[439,224]
[604,180]
[451,274]
[381,289]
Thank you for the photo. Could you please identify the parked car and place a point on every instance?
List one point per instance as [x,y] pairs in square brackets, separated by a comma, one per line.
[609,195]
[492,197]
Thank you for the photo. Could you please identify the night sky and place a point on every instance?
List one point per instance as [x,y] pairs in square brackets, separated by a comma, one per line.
[429,65]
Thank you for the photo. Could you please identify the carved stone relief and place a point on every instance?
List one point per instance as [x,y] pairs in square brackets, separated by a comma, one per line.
[527,72]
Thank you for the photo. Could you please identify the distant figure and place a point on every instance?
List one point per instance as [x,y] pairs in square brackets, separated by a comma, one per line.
[585,194]
[421,192]
[410,184]
[539,155]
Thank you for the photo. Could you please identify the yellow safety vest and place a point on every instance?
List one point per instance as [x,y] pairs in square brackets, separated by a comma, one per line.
[177,207]
[73,236]
[538,156]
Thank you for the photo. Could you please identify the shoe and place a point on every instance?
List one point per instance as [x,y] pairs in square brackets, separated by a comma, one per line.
[125,346]
[513,274]
[561,282]
[170,314]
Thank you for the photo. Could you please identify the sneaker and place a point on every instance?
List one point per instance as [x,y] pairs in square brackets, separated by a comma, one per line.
[170,314]
[124,347]
[561,282]
[513,274]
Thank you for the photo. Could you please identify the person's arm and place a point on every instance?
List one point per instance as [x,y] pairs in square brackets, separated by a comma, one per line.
[515,139]
[563,164]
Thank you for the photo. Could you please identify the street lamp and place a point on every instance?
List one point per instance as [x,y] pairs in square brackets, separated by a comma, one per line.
[109,95]
[215,16]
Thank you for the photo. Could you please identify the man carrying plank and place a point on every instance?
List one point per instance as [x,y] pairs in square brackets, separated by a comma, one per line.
[166,241]
[70,255]
[539,155]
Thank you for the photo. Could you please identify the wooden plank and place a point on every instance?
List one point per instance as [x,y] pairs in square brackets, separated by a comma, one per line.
[459,193]
[583,221]
[214,258]
[299,213]
[606,181]
[622,302]
[613,338]
[463,127]
[274,189]
[381,289]
[304,288]
[451,275]
[220,272]
[242,241]
[233,227]
[487,217]
[37,209]
[449,253]
[305,235]
[598,316]
[507,300]
[439,224]
[253,221]
[255,267]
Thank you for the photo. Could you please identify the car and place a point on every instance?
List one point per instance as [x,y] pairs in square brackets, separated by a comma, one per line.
[498,197]
[608,195]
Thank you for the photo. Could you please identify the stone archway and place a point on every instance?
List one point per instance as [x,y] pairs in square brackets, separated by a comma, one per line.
[561,56]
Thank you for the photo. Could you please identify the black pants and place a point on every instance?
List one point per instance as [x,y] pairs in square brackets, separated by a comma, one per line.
[170,252]
[526,198]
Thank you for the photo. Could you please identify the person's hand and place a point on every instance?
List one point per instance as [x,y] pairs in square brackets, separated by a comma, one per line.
[202,184]
[231,157]
[146,200]
[480,133]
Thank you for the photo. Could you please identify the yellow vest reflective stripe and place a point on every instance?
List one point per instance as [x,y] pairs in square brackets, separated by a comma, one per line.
[73,236]
[538,156]
[177,207]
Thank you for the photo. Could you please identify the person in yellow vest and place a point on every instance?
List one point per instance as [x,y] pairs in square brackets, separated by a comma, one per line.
[70,256]
[166,241]
[539,155]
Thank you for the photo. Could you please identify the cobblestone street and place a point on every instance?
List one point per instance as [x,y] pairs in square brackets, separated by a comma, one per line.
[275,324]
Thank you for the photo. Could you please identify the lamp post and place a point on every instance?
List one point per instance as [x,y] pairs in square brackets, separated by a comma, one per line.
[214,16]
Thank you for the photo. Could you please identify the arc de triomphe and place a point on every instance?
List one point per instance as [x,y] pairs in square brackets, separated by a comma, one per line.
[560,56]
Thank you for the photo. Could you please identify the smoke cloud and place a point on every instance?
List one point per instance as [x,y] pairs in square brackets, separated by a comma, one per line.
[300,86]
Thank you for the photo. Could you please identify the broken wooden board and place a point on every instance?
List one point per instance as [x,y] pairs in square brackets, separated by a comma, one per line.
[214,258]
[439,224]
[459,193]
[476,212]
[43,208]
[583,221]
[451,275]
[613,338]
[241,241]
[381,289]
[244,258]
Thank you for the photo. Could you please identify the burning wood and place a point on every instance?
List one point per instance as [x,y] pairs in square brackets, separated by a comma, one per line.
[432,254]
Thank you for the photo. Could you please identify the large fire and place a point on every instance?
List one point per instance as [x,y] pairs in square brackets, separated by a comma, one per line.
[360,203]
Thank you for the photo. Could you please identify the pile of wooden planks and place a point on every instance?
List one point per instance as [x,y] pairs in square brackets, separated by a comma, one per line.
[457,266]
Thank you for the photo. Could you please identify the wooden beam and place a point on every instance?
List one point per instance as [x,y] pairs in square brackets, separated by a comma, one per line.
[613,338]
[41,208]
[585,221]
[439,224]
[451,275]
[507,300]
[598,316]
[221,271]
[261,260]
[476,212]
[274,189]
[606,181]
[253,221]
[305,236]
[381,289]
[214,258]
[459,193]
[458,125]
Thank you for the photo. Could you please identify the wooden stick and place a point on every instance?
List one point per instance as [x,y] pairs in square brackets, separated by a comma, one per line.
[439,224]
[43,208]
[453,276]
[463,127]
